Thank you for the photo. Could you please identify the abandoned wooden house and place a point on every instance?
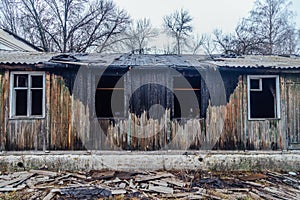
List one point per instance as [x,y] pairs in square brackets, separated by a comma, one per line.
[52,101]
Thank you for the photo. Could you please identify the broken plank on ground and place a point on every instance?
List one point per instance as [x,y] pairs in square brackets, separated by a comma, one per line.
[23,177]
[161,189]
[152,177]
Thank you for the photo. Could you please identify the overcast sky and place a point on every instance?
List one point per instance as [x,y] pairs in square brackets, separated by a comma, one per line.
[207,14]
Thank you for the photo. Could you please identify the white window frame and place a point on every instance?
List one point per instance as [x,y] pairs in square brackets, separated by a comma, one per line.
[13,95]
[260,84]
[277,86]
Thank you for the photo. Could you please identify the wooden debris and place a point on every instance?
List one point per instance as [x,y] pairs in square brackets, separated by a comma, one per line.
[210,196]
[122,185]
[253,184]
[131,185]
[116,192]
[254,196]
[80,176]
[238,189]
[253,177]
[43,172]
[49,196]
[293,173]
[185,195]
[161,189]
[47,185]
[23,177]
[161,183]
[175,182]
[149,178]
[11,189]
[103,175]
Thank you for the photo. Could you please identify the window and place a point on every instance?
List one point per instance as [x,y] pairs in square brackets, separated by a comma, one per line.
[263,97]
[186,97]
[110,97]
[27,94]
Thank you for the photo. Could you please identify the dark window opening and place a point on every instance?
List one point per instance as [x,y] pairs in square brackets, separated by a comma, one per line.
[21,102]
[36,82]
[186,97]
[263,102]
[36,102]
[109,97]
[21,80]
[255,84]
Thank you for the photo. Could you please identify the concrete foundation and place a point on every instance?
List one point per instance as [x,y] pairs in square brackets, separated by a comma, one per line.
[156,160]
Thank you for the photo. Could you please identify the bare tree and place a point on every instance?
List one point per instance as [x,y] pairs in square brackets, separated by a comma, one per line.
[267,30]
[297,51]
[270,22]
[8,16]
[195,42]
[209,46]
[245,41]
[225,42]
[13,17]
[139,34]
[178,26]
[35,20]
[68,25]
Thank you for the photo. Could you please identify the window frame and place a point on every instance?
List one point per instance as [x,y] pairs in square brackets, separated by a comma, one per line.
[260,84]
[112,89]
[188,88]
[12,113]
[277,100]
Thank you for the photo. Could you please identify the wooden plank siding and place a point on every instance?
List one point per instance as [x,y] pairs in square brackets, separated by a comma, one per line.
[293,110]
[232,117]
[20,134]
[3,108]
[60,117]
[71,123]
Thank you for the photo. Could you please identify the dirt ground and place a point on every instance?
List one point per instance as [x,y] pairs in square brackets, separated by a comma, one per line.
[184,184]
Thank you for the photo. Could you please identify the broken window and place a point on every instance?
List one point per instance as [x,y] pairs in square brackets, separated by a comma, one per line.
[263,99]
[110,97]
[27,94]
[186,97]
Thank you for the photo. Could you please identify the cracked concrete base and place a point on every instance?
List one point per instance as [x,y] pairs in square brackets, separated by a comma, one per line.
[156,160]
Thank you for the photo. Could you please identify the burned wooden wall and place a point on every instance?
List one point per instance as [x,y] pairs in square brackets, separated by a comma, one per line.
[227,126]
[71,123]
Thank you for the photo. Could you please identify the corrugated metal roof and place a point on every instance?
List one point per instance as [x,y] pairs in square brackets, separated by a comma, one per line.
[160,60]
[134,60]
[151,60]
[7,57]
[258,61]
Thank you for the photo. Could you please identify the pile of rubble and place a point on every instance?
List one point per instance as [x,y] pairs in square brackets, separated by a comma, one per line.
[47,185]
